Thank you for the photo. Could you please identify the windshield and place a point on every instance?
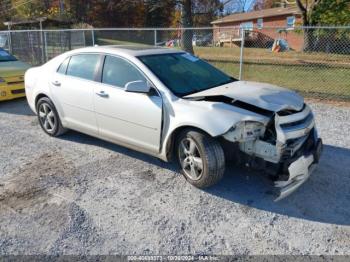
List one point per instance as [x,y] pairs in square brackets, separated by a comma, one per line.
[185,74]
[6,57]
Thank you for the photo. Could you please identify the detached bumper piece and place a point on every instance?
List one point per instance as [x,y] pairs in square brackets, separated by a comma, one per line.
[299,171]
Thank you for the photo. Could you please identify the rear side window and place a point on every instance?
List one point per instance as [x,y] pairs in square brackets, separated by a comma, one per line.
[118,72]
[83,66]
[63,67]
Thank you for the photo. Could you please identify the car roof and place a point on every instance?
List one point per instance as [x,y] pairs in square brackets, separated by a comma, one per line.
[133,50]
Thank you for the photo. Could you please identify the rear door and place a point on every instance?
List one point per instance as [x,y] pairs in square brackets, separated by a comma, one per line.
[73,86]
[128,118]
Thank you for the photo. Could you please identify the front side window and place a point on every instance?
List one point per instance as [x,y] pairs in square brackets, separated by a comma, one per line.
[185,74]
[118,72]
[6,57]
[83,66]
[290,21]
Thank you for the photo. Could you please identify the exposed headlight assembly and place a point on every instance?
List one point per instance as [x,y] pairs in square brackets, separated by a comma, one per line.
[245,131]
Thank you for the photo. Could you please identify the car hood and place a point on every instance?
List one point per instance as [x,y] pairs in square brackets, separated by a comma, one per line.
[266,96]
[13,68]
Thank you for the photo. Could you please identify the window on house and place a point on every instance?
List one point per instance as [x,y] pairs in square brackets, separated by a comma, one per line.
[260,23]
[247,25]
[290,21]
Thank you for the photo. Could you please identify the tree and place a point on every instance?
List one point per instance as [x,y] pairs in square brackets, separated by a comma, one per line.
[201,12]
[5,12]
[79,9]
[330,12]
[307,9]
[205,11]
[31,10]
[321,12]
[116,13]
[265,4]
[159,15]
[237,6]
[187,21]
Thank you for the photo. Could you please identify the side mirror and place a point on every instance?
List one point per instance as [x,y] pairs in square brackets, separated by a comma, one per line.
[138,86]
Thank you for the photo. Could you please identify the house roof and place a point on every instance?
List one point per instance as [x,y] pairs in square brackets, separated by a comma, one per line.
[37,20]
[258,14]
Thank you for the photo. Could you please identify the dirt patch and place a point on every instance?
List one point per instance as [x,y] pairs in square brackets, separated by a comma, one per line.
[35,182]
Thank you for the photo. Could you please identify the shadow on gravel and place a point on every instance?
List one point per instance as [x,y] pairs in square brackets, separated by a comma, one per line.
[325,197]
[17,106]
[77,137]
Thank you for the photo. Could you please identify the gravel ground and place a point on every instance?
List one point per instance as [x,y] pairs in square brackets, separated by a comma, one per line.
[80,195]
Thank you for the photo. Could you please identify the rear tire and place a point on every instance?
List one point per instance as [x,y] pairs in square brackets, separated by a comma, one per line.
[201,158]
[48,117]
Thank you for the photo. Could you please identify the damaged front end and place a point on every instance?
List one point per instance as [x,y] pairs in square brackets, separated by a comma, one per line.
[288,147]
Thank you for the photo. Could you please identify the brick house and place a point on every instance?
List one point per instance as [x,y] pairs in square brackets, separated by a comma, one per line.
[263,27]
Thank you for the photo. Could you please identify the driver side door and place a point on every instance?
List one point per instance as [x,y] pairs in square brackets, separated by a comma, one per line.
[127,118]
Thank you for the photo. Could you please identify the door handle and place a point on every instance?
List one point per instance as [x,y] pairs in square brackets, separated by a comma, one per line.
[102,94]
[56,83]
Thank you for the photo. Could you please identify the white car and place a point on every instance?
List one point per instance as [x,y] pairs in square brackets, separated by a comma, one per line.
[173,105]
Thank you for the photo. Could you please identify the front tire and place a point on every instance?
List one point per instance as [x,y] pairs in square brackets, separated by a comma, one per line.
[48,117]
[201,158]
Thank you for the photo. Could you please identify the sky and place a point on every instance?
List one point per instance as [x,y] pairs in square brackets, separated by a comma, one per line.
[249,4]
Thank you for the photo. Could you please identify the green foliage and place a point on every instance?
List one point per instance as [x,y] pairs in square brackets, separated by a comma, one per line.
[159,14]
[332,12]
[205,11]
[31,10]
[114,13]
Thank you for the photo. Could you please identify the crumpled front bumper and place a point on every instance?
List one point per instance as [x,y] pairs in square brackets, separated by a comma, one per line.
[299,171]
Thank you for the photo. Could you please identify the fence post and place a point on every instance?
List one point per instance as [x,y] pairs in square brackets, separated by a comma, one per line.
[83,31]
[45,47]
[155,37]
[42,43]
[241,55]
[9,41]
[93,37]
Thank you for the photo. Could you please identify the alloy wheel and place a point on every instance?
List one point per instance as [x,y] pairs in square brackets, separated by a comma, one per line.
[47,117]
[190,158]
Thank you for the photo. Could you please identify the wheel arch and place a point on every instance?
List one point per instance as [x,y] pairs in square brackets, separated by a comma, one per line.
[38,97]
[41,95]
[170,142]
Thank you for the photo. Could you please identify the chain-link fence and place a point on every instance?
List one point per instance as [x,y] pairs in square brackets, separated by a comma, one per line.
[313,61]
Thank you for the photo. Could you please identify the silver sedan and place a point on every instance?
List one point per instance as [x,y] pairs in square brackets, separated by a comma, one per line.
[173,105]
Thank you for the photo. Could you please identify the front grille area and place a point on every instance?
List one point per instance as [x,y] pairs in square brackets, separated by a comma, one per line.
[301,122]
[18,91]
[294,126]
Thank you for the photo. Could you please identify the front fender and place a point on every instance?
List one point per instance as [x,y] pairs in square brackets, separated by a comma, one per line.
[214,118]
